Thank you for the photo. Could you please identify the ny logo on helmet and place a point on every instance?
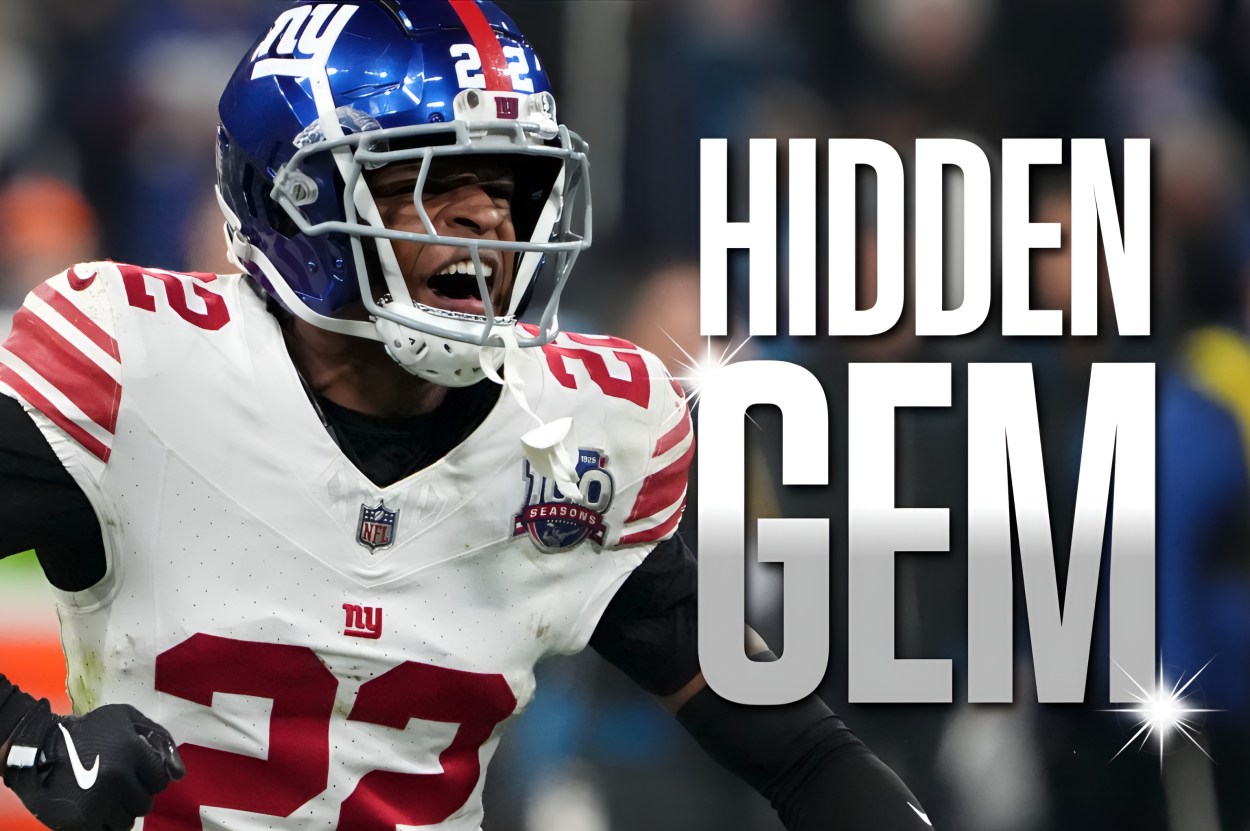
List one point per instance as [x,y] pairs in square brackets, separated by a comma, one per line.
[508,108]
[309,31]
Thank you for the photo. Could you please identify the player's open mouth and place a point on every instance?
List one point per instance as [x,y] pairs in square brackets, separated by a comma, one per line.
[455,287]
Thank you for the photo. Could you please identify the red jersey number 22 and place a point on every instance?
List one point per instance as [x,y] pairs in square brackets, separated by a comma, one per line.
[635,388]
[297,769]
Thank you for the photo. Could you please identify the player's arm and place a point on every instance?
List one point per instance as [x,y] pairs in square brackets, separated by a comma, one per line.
[121,759]
[60,387]
[799,756]
[42,507]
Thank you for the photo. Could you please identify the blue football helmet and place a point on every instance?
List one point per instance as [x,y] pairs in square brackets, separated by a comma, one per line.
[336,89]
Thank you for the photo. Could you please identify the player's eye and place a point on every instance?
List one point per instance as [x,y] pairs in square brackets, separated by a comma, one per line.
[398,187]
[438,185]
[499,189]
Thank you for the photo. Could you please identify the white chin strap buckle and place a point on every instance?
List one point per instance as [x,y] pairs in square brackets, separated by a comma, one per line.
[552,451]
[430,357]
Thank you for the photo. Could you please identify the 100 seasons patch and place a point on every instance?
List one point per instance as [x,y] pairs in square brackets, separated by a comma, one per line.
[554,521]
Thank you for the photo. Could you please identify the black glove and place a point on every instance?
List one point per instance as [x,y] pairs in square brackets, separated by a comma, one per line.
[90,773]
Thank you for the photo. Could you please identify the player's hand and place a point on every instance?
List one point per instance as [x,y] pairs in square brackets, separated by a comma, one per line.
[90,773]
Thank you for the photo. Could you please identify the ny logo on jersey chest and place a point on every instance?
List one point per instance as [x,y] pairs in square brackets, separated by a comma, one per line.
[376,528]
[363,621]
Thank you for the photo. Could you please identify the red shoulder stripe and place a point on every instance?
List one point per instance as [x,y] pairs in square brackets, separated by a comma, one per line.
[662,488]
[65,367]
[658,532]
[43,405]
[675,436]
[77,319]
[494,63]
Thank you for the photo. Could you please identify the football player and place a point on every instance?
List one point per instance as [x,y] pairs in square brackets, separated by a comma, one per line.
[322,518]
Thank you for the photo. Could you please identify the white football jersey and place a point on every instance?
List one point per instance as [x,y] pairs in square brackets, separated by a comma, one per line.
[329,654]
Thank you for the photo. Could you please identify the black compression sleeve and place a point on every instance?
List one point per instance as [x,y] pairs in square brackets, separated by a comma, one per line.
[650,629]
[42,507]
[804,760]
[800,756]
[14,705]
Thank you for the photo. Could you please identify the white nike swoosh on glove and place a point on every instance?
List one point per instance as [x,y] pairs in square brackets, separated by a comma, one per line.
[920,814]
[84,777]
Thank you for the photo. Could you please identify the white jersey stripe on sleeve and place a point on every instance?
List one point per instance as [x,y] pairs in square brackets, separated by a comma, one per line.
[62,402]
[674,453]
[90,349]
[45,398]
[60,364]
[93,327]
[678,427]
[657,532]
[659,516]
[663,488]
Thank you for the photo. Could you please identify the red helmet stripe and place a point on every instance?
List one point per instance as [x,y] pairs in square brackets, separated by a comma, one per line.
[494,64]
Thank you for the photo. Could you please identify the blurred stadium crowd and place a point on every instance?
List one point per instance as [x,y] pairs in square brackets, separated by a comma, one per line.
[106,150]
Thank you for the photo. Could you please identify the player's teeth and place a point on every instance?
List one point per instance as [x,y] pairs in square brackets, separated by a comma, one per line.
[466,268]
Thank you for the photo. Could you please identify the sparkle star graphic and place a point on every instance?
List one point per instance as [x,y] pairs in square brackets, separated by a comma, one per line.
[697,372]
[1163,711]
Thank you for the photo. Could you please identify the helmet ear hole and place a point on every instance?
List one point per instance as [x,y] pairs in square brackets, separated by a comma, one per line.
[278,218]
[256,197]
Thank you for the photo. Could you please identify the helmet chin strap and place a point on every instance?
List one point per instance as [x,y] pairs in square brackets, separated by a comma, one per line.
[430,357]
[551,447]
[252,259]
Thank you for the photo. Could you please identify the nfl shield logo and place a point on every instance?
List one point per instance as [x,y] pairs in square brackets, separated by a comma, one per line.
[377,526]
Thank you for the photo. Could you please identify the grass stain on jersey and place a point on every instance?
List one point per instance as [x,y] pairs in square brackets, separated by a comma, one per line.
[84,684]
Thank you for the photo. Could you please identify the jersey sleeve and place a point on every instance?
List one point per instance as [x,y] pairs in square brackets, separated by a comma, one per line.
[650,441]
[661,496]
[62,363]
